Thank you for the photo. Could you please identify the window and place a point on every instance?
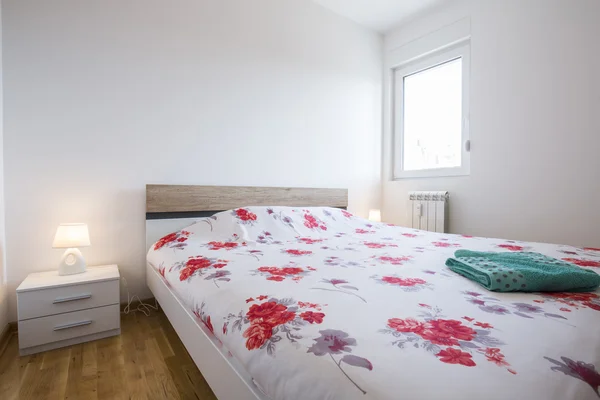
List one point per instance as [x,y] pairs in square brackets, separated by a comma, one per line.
[431,127]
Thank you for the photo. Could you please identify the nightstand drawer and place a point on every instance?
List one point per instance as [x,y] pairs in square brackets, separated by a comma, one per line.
[38,331]
[41,303]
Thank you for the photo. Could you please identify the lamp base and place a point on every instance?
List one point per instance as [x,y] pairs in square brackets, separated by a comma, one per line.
[72,262]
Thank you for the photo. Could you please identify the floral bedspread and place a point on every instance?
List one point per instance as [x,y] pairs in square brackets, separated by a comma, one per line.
[320,304]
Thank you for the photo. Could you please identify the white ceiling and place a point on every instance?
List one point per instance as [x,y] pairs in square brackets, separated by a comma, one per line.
[380,15]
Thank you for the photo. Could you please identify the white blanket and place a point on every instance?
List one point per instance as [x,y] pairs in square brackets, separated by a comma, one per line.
[319,304]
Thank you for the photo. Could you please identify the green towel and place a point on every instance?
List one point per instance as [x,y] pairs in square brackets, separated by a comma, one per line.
[522,272]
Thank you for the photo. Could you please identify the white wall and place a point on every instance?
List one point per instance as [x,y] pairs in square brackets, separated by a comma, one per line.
[3,285]
[102,97]
[535,122]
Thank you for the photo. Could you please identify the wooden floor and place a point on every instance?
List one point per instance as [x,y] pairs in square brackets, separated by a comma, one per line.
[147,361]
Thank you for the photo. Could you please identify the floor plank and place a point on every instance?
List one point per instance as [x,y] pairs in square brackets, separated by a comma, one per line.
[147,361]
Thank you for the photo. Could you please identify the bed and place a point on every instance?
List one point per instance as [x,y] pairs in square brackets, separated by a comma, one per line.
[279,298]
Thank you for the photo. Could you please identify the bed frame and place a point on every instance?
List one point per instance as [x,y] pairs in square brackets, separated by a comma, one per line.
[173,207]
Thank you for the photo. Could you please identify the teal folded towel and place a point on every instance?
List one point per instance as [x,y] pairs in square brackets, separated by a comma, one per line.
[522,272]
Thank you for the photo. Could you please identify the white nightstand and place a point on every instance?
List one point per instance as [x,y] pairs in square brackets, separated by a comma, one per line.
[57,311]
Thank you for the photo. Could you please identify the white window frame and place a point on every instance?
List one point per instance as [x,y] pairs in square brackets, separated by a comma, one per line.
[461,50]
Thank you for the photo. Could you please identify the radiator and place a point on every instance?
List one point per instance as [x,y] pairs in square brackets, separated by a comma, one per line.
[428,210]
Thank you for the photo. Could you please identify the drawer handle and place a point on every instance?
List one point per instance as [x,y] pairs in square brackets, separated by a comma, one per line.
[72,298]
[72,325]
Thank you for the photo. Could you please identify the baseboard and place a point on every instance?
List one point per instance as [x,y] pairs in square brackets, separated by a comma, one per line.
[9,330]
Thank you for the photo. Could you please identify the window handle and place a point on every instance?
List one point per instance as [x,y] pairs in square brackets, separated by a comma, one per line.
[72,325]
[72,298]
[468,146]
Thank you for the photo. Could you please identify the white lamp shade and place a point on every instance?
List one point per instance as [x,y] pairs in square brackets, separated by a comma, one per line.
[71,235]
[375,215]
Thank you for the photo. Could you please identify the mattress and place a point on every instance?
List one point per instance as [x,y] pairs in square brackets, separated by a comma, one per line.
[320,304]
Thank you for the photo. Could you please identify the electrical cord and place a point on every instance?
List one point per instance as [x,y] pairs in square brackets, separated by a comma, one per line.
[142,307]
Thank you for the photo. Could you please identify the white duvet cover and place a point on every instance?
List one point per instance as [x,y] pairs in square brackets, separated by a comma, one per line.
[319,304]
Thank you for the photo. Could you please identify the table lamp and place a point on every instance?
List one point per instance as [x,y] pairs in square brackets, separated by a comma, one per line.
[375,215]
[70,237]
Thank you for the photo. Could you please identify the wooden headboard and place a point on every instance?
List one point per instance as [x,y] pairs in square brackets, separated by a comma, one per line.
[171,201]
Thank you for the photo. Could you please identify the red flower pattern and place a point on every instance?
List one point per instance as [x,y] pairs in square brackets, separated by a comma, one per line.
[403,281]
[222,245]
[451,328]
[296,252]
[483,325]
[583,263]
[266,316]
[165,240]
[455,356]
[209,324]
[193,265]
[586,299]
[310,240]
[312,317]
[278,274]
[494,355]
[264,311]
[363,231]
[309,305]
[281,318]
[291,270]
[511,247]
[257,334]
[395,260]
[406,325]
[573,296]
[449,333]
[593,306]
[311,223]
[281,271]
[175,237]
[445,244]
[245,215]
[373,245]
[436,337]
[198,262]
